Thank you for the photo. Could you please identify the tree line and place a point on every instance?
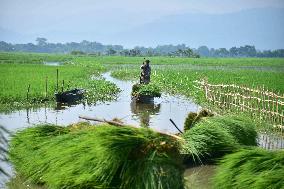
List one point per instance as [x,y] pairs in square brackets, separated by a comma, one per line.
[97,49]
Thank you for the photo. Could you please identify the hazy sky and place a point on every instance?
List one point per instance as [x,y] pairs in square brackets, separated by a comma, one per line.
[104,17]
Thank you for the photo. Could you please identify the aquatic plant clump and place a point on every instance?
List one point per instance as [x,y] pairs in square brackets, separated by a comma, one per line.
[149,90]
[216,136]
[97,157]
[251,168]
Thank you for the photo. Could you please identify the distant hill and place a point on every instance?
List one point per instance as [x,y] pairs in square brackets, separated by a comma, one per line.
[263,28]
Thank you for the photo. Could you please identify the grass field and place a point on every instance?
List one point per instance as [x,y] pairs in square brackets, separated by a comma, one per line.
[178,79]
[173,75]
[16,77]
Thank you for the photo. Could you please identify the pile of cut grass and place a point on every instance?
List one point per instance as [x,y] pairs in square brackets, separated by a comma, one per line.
[214,137]
[251,168]
[193,118]
[146,89]
[97,157]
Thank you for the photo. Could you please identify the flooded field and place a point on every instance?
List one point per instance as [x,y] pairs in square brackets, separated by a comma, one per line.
[155,116]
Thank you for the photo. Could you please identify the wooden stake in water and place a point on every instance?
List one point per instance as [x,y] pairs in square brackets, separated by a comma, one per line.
[175,126]
[57,79]
[62,87]
[46,87]
[28,91]
[68,86]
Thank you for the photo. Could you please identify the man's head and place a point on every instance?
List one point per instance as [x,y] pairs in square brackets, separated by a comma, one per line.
[147,62]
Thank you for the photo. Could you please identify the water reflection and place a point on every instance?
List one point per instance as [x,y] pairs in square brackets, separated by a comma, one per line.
[271,141]
[144,111]
[64,106]
[200,177]
[52,63]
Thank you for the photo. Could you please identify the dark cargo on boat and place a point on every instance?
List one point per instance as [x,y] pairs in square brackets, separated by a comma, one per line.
[69,96]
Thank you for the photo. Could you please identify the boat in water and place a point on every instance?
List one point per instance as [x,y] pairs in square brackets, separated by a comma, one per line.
[70,95]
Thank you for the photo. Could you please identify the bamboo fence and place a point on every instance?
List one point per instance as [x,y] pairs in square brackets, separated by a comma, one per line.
[259,102]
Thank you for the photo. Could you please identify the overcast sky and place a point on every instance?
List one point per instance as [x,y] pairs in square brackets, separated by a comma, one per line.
[107,16]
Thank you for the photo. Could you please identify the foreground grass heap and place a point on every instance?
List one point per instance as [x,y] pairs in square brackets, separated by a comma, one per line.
[214,137]
[84,156]
[251,168]
[97,157]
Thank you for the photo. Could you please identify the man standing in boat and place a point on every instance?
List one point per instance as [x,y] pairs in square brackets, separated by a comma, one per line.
[145,72]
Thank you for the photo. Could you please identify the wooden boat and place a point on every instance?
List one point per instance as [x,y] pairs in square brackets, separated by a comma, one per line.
[69,96]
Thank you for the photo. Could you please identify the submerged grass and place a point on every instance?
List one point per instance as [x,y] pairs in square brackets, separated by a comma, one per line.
[251,168]
[214,137]
[97,157]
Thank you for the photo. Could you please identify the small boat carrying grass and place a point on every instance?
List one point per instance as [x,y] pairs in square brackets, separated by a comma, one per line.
[145,93]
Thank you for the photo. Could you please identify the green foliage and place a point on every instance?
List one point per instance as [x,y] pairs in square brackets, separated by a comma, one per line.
[77,53]
[251,168]
[104,156]
[146,89]
[215,136]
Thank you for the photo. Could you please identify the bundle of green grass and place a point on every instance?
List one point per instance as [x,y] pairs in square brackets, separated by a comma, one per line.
[213,137]
[193,118]
[251,168]
[105,156]
[146,89]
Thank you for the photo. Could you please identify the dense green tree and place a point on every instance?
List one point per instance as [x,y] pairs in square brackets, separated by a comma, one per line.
[203,51]
[41,41]
[95,48]
[110,52]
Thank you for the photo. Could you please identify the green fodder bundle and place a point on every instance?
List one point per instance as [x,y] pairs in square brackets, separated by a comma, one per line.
[98,157]
[251,168]
[193,118]
[215,136]
[242,128]
[146,89]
